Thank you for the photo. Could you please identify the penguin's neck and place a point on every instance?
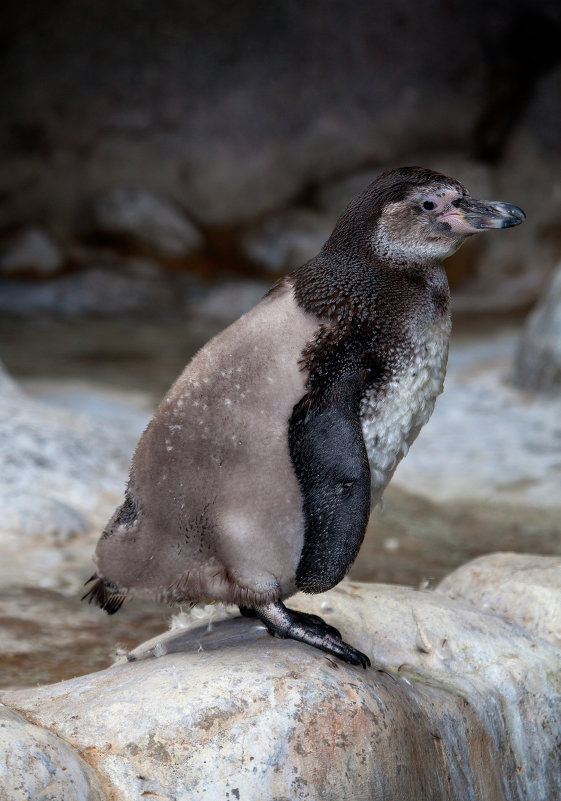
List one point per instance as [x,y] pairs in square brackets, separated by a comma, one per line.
[337,286]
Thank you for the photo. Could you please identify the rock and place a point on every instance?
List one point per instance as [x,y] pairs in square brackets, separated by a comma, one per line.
[333,196]
[284,241]
[107,286]
[225,302]
[234,132]
[35,765]
[110,286]
[522,588]
[62,475]
[8,387]
[127,410]
[460,704]
[146,221]
[513,272]
[54,453]
[32,251]
[29,514]
[538,359]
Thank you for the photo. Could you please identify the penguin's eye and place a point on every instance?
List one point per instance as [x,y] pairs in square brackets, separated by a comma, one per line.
[428,205]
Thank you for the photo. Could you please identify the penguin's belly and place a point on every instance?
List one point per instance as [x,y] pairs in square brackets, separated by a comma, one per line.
[218,505]
[392,415]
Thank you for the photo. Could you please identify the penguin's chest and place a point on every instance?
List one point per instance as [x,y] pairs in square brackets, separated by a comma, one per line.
[393,414]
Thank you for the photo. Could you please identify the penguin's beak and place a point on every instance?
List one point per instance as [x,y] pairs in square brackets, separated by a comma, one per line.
[468,215]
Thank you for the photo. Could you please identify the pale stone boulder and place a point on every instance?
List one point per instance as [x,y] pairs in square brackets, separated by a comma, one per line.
[522,588]
[459,704]
[61,475]
[35,765]
[53,453]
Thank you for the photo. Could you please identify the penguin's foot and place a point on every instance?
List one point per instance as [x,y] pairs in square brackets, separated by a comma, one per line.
[311,629]
[301,617]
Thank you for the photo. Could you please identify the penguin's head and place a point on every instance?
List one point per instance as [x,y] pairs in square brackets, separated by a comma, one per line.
[415,214]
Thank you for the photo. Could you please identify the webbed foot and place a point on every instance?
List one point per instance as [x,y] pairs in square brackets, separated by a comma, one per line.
[311,629]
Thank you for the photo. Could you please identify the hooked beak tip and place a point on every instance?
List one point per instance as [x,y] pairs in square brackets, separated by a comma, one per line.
[511,215]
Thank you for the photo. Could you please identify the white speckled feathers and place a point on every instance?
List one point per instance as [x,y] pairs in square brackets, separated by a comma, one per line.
[392,420]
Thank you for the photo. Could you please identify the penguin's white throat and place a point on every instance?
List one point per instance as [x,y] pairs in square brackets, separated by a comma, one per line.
[407,246]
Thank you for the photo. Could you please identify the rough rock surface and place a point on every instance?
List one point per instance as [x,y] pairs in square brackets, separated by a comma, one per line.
[8,387]
[460,704]
[511,271]
[145,221]
[27,514]
[284,241]
[36,765]
[31,251]
[53,453]
[62,474]
[522,588]
[112,287]
[107,286]
[530,171]
[538,360]
[224,302]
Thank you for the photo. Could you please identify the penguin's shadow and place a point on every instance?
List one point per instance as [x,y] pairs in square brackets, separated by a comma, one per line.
[224,634]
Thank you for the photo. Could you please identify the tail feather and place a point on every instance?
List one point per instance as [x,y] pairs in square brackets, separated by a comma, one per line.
[105,594]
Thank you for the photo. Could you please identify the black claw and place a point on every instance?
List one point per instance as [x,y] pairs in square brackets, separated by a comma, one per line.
[318,623]
[356,657]
[310,629]
[344,651]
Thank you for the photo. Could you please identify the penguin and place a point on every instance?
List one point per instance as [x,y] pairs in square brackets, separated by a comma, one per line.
[256,476]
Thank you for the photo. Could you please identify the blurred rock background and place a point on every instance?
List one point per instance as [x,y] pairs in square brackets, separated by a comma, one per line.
[161,164]
[225,138]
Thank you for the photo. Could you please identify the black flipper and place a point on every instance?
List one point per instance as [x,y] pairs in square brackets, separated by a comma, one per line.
[311,629]
[331,463]
[105,594]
